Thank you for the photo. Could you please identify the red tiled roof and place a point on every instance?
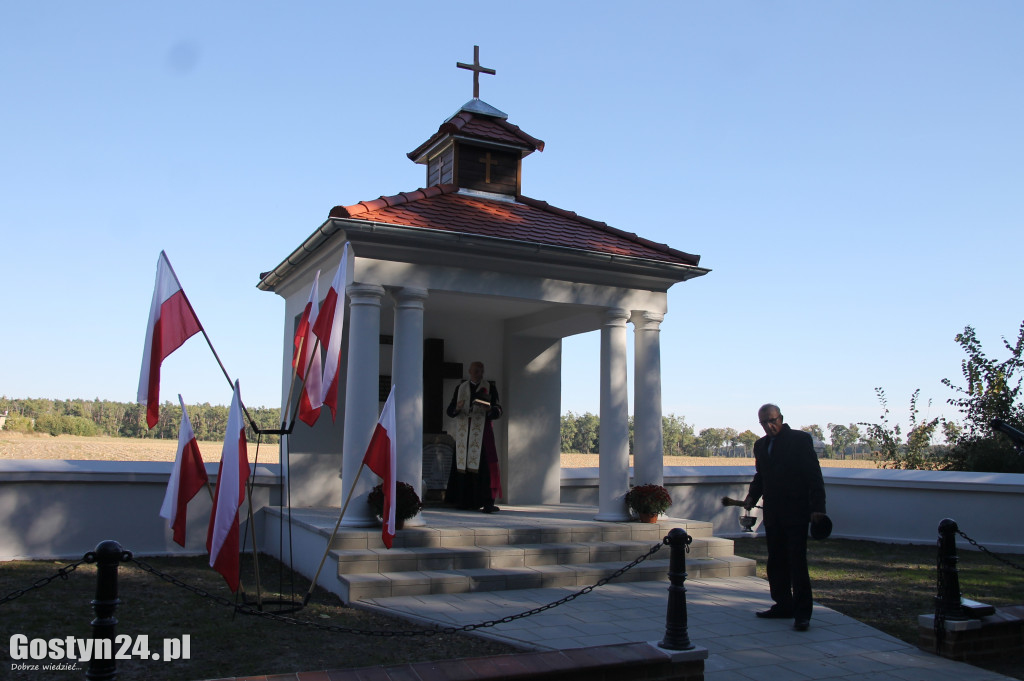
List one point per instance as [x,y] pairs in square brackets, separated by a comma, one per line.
[486,128]
[440,207]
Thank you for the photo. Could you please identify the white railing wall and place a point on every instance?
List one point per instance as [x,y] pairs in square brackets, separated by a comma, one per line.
[902,507]
[62,509]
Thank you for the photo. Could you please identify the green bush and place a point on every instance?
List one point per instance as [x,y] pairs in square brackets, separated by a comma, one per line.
[59,424]
[79,425]
[18,424]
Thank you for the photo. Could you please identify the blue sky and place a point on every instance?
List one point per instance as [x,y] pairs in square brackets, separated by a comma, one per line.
[852,173]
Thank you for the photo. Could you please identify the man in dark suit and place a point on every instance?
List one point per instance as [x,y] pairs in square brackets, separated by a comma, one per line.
[788,477]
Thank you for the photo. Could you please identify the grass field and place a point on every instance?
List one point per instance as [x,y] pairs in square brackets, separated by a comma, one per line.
[73,447]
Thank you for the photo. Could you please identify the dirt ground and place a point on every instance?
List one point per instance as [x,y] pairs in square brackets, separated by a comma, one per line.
[73,447]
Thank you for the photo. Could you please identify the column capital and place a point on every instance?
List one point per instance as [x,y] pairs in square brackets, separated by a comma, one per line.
[365,293]
[616,316]
[647,320]
[409,296]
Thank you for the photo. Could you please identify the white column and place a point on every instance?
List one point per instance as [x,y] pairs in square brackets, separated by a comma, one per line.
[362,398]
[648,457]
[407,370]
[614,430]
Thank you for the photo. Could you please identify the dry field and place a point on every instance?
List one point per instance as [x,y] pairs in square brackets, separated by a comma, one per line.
[72,447]
[78,448]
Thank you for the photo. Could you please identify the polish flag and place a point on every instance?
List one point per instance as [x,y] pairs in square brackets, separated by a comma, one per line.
[171,322]
[305,340]
[187,477]
[381,459]
[222,535]
[328,328]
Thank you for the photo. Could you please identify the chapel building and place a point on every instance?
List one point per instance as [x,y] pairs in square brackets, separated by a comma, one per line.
[468,268]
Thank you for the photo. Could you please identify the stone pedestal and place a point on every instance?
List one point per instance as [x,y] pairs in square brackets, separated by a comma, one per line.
[993,636]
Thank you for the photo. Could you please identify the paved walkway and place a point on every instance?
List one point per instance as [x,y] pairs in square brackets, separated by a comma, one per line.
[720,618]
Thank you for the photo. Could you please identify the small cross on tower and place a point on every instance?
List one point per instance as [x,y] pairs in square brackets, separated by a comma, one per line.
[488,162]
[477,70]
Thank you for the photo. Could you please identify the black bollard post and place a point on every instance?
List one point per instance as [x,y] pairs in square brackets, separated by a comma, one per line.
[676,636]
[948,603]
[107,556]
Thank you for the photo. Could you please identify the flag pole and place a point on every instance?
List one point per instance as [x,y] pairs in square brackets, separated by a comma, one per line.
[291,389]
[352,489]
[209,342]
[255,553]
[302,382]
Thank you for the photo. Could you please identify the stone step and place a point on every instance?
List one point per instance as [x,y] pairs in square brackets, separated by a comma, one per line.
[356,587]
[365,561]
[520,547]
[470,534]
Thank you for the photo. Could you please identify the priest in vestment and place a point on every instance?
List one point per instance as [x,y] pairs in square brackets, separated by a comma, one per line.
[475,480]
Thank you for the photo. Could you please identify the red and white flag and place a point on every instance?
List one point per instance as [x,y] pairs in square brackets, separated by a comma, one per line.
[171,322]
[187,477]
[307,355]
[381,459]
[222,535]
[328,328]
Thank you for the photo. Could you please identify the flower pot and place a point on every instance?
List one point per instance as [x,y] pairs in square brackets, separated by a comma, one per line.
[648,517]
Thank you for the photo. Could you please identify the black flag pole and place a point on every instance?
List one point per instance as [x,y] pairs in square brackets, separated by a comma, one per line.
[231,383]
[290,421]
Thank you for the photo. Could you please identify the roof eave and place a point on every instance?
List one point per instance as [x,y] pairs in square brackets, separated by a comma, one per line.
[375,239]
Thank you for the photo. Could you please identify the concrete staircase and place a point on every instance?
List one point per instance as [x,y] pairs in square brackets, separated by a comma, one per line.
[519,549]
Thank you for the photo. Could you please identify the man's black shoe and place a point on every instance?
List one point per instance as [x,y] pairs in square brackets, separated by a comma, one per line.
[490,509]
[801,625]
[774,614]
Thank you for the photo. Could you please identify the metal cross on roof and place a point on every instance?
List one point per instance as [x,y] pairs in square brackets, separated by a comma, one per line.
[477,70]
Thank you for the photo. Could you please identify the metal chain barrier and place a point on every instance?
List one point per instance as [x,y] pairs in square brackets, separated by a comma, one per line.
[990,553]
[62,573]
[248,610]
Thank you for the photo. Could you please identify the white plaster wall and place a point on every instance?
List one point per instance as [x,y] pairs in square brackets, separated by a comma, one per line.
[868,504]
[484,282]
[63,509]
[533,420]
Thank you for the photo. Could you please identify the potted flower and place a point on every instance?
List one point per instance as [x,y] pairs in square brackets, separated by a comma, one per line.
[407,502]
[648,501]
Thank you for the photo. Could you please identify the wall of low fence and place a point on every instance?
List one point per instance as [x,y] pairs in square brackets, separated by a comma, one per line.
[902,507]
[62,509]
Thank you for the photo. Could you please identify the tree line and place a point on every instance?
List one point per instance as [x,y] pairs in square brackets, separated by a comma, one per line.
[580,433]
[127,419]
